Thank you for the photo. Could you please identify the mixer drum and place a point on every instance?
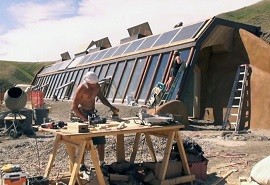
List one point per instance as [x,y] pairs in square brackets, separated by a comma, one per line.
[15,99]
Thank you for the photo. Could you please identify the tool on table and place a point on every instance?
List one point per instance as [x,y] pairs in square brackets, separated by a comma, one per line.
[53,125]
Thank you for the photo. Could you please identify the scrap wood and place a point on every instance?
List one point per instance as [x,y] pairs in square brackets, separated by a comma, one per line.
[224,177]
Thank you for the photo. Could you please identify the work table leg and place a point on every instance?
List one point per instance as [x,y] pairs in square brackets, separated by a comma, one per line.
[52,156]
[95,160]
[182,153]
[120,148]
[166,157]
[71,155]
[150,146]
[76,166]
[135,147]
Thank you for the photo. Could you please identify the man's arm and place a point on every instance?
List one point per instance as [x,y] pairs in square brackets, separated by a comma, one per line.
[104,100]
[75,104]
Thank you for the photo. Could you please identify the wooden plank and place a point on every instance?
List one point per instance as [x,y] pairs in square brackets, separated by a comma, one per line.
[182,153]
[52,155]
[120,147]
[95,161]
[166,157]
[135,147]
[150,146]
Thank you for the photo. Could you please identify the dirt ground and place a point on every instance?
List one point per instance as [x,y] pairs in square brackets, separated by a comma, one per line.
[224,151]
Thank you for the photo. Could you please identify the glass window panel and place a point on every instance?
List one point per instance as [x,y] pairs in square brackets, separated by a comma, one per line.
[133,46]
[121,49]
[187,32]
[124,80]
[75,61]
[165,38]
[69,76]
[101,54]
[55,84]
[111,70]
[116,79]
[135,79]
[148,78]
[97,69]
[50,89]
[59,84]
[103,71]
[49,82]
[148,42]
[63,83]
[110,52]
[92,69]
[77,81]
[161,69]
[74,77]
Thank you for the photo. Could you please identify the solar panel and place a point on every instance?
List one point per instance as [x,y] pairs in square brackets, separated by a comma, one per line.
[187,32]
[121,49]
[101,54]
[110,52]
[64,64]
[91,58]
[148,42]
[75,62]
[133,46]
[84,59]
[166,37]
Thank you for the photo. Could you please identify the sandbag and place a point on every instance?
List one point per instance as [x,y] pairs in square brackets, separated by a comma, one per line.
[261,172]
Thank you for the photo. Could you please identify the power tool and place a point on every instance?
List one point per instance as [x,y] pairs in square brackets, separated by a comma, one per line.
[115,113]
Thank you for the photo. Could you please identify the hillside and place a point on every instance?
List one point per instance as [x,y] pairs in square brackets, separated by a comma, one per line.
[18,72]
[257,15]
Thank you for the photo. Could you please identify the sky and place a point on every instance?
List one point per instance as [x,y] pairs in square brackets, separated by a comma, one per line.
[41,30]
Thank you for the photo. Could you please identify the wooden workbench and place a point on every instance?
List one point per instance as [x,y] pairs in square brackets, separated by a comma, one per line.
[82,142]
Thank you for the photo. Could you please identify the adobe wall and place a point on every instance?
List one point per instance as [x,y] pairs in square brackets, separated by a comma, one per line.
[217,74]
[218,71]
[259,56]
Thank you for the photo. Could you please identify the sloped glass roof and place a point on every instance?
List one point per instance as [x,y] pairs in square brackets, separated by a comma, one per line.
[175,35]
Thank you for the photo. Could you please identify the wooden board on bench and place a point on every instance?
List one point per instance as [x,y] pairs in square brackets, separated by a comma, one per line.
[77,127]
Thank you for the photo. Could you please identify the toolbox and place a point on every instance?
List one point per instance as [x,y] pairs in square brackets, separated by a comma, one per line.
[13,178]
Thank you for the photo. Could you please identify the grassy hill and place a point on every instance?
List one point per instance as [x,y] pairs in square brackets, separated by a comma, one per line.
[18,72]
[23,72]
[257,14]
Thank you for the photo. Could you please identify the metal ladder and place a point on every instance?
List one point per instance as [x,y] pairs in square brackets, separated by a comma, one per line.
[237,96]
[168,94]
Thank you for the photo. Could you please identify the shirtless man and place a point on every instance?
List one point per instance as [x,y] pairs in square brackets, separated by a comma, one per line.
[83,106]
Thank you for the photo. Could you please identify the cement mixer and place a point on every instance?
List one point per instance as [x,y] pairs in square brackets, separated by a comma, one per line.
[15,100]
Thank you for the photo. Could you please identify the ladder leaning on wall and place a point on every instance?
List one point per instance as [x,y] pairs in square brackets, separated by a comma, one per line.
[237,97]
[168,94]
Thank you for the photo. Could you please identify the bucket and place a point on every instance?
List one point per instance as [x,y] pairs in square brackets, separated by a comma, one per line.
[40,114]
